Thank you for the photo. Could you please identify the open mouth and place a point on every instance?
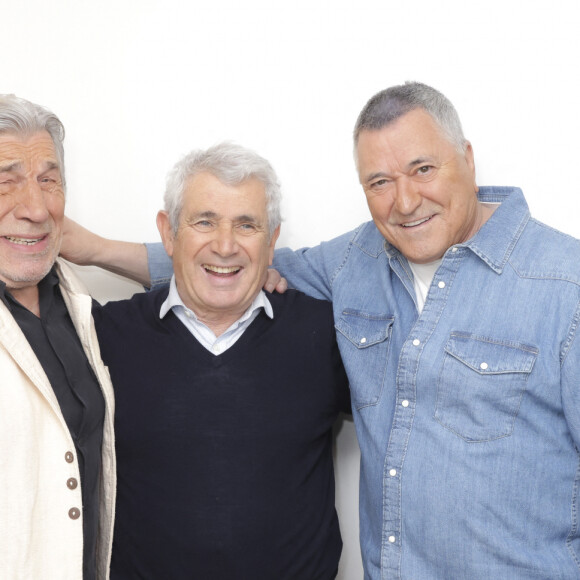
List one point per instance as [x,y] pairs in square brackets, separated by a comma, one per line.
[416,222]
[222,270]
[24,241]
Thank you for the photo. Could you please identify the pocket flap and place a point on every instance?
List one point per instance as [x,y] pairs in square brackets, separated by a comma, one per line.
[490,356]
[364,329]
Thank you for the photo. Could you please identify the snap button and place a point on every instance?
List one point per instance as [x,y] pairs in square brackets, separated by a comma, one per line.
[74,513]
[441,284]
[393,472]
[416,342]
[72,483]
[392,539]
[405,403]
[363,340]
[483,366]
[69,457]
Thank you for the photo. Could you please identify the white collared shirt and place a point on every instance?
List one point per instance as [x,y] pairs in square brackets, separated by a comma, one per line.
[205,336]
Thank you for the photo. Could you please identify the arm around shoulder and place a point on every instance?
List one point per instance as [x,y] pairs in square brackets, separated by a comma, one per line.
[313,270]
[85,248]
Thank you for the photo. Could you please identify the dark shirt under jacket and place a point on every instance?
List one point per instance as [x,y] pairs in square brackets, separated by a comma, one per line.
[224,462]
[55,343]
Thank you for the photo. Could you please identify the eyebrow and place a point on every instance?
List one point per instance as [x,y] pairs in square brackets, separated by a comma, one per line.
[245,218]
[419,161]
[10,167]
[204,214]
[214,215]
[410,165]
[50,165]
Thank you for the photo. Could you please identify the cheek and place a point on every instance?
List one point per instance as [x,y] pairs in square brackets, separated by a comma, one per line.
[55,205]
[380,208]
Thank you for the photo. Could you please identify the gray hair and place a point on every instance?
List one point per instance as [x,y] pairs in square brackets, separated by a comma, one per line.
[232,164]
[23,118]
[390,104]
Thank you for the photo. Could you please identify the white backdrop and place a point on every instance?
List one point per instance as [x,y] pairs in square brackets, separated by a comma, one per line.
[138,83]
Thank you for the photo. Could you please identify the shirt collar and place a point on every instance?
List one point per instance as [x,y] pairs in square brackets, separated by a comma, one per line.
[497,238]
[173,300]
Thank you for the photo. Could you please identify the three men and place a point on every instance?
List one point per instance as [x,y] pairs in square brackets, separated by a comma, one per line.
[225,396]
[57,469]
[456,317]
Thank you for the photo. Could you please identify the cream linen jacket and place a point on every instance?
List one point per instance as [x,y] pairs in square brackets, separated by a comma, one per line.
[40,492]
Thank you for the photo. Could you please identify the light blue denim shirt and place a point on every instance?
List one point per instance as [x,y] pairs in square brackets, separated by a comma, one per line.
[468,415]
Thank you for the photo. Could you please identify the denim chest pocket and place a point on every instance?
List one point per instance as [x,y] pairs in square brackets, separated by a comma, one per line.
[481,385]
[364,342]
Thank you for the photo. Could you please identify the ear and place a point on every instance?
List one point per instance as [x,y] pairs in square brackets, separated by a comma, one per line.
[272,245]
[470,160]
[166,231]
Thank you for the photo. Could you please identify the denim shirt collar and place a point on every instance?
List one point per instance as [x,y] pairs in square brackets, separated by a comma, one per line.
[493,243]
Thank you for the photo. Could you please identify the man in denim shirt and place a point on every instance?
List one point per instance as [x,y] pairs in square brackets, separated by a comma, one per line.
[456,315]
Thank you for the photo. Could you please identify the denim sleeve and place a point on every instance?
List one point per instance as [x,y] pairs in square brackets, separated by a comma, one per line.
[312,270]
[160,265]
[570,377]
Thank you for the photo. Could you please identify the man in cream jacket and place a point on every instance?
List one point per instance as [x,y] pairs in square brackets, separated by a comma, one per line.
[57,469]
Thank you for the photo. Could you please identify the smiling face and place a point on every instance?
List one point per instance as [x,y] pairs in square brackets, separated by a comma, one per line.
[31,209]
[420,190]
[222,248]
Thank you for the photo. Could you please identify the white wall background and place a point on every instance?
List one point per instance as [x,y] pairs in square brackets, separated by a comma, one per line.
[138,83]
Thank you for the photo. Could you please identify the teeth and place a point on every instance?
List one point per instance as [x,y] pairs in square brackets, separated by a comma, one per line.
[23,241]
[411,224]
[221,270]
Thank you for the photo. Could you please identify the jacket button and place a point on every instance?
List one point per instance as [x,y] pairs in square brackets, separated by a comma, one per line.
[74,513]
[72,483]
[69,457]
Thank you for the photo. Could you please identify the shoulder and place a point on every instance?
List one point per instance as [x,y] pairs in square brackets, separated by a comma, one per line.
[141,305]
[296,309]
[294,300]
[544,252]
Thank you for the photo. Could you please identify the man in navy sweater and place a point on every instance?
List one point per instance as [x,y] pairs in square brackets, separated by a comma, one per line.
[225,396]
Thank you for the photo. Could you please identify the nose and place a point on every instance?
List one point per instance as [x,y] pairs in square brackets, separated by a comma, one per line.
[224,243]
[31,203]
[407,196]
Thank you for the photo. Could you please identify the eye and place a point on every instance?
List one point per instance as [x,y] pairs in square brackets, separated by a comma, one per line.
[247,228]
[203,225]
[6,177]
[425,169]
[379,184]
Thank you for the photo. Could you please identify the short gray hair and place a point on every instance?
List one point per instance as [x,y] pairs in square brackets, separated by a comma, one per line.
[390,104]
[232,164]
[23,118]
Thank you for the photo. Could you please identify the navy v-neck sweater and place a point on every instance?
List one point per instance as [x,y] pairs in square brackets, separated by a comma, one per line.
[224,462]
